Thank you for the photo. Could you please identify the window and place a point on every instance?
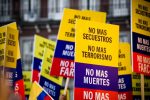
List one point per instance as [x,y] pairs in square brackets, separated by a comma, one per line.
[5,10]
[89,4]
[26,45]
[30,9]
[55,8]
[119,8]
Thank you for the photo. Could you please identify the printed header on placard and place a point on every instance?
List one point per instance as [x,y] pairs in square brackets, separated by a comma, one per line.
[95,41]
[124,64]
[67,30]
[141,17]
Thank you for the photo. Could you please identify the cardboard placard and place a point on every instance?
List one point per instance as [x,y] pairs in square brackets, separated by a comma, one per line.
[64,52]
[124,65]
[18,76]
[9,43]
[46,67]
[136,86]
[124,72]
[96,63]
[27,82]
[51,84]
[140,36]
[39,44]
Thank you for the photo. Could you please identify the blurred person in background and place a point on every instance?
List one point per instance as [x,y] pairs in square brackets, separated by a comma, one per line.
[5,92]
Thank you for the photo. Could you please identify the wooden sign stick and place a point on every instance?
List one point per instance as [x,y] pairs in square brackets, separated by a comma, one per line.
[66,86]
[142,87]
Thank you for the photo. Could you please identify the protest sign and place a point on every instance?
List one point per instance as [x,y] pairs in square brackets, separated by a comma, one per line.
[39,44]
[96,63]
[140,36]
[124,72]
[63,62]
[51,84]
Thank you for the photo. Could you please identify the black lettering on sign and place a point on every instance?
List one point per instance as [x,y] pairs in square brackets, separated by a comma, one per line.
[11,36]
[86,18]
[122,68]
[143,13]
[142,7]
[71,21]
[11,43]
[72,29]
[91,30]
[101,32]
[136,89]
[98,38]
[70,34]
[91,48]
[49,60]
[96,56]
[77,16]
[136,76]
[2,41]
[10,59]
[2,35]
[142,27]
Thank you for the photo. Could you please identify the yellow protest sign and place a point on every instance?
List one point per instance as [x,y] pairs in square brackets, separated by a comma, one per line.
[14,26]
[136,84]
[10,57]
[101,39]
[140,17]
[3,31]
[27,81]
[46,67]
[40,43]
[2,44]
[67,31]
[124,64]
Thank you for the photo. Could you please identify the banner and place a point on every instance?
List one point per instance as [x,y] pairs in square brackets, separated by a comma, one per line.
[51,84]
[64,51]
[96,63]
[124,72]
[38,93]
[140,36]
[39,44]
